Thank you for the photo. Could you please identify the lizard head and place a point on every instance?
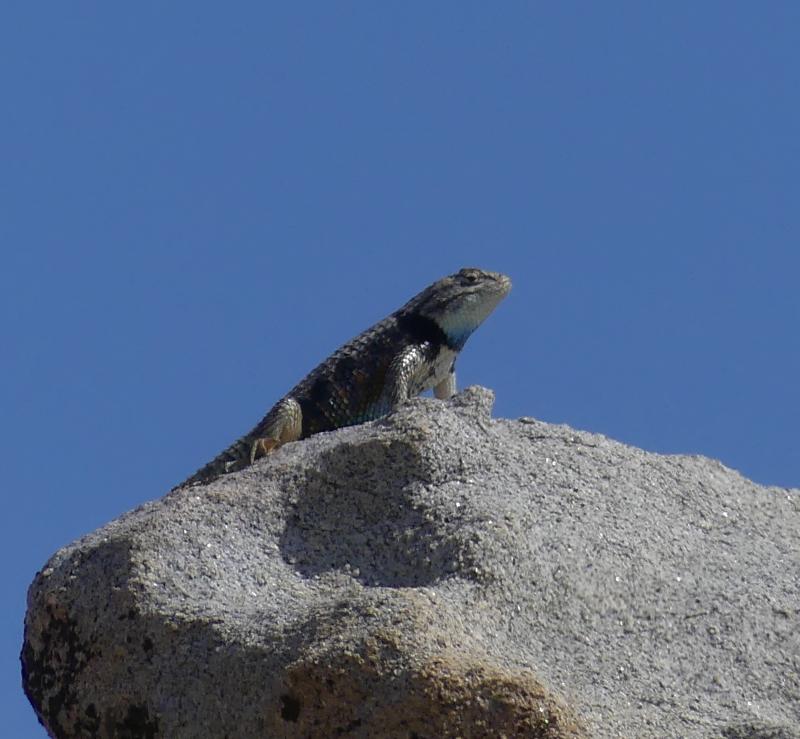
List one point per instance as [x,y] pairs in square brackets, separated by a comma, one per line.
[459,303]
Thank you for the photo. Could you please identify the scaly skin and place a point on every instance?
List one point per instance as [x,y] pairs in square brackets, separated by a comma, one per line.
[412,350]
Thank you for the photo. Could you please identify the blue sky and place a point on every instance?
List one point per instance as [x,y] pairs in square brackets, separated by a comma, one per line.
[198,203]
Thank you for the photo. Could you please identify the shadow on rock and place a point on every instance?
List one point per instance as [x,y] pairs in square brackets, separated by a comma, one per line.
[360,512]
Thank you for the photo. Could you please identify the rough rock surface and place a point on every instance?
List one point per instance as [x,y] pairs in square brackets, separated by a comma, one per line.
[433,574]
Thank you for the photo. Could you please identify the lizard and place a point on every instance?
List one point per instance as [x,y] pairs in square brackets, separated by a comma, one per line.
[412,350]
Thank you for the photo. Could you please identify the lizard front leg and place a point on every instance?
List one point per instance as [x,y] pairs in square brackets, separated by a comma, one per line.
[283,424]
[402,378]
[447,387]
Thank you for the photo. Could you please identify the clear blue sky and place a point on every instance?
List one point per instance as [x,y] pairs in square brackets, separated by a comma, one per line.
[198,202]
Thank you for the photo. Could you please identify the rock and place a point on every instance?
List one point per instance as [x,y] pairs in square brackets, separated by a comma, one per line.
[432,574]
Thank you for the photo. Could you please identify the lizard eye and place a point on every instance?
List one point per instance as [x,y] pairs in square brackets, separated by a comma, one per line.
[471,277]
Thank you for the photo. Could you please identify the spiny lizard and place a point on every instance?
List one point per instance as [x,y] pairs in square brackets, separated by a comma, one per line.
[412,350]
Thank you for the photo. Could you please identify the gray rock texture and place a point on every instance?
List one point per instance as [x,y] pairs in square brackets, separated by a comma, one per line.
[433,574]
